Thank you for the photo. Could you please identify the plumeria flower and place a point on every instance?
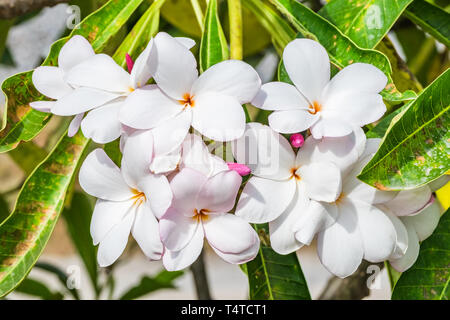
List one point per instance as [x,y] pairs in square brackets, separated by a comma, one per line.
[329,108]
[50,81]
[102,85]
[130,199]
[200,210]
[211,102]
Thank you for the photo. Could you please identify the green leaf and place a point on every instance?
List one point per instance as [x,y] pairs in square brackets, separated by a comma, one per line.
[4,209]
[163,280]
[429,277]
[430,18]
[27,156]
[38,289]
[78,219]
[341,49]
[112,149]
[415,149]
[20,121]
[25,233]
[275,277]
[213,47]
[365,22]
[380,129]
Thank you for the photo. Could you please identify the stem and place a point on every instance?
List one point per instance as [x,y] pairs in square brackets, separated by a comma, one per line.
[200,278]
[198,13]
[235,13]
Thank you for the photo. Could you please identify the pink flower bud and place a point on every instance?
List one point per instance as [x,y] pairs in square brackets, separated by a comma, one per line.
[297,140]
[130,62]
[242,169]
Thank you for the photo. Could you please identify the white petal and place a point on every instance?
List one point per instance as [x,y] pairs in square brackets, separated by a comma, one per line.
[100,72]
[75,124]
[76,50]
[229,233]
[412,252]
[340,247]
[187,42]
[177,67]
[157,191]
[166,163]
[279,96]
[266,153]
[402,234]
[195,155]
[112,246]
[331,127]
[292,121]
[146,232]
[102,124]
[101,178]
[107,214]
[144,67]
[233,78]
[263,200]
[218,193]
[177,230]
[241,257]
[409,202]
[435,184]
[218,117]
[315,218]
[322,180]
[169,135]
[426,221]
[185,187]
[148,107]
[50,82]
[43,106]
[282,235]
[308,66]
[81,100]
[178,260]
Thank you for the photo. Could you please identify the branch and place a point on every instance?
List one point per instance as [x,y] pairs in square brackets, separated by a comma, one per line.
[13,8]
[200,278]
[353,287]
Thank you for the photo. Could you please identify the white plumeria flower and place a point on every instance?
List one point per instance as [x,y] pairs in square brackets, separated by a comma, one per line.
[50,81]
[130,199]
[329,108]
[199,210]
[101,84]
[211,102]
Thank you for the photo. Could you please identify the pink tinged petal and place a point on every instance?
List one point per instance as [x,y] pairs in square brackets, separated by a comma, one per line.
[401,243]
[129,62]
[185,187]
[169,135]
[218,117]
[157,191]
[145,231]
[148,107]
[232,78]
[81,100]
[177,230]
[426,221]
[264,200]
[339,247]
[229,233]
[178,260]
[42,106]
[315,218]
[240,168]
[75,51]
[218,193]
[166,163]
[145,66]
[322,181]
[308,66]
[187,42]
[412,252]
[101,178]
[331,127]
[50,82]
[266,153]
[75,124]
[241,257]
[378,233]
[100,72]
[297,140]
[409,202]
[195,155]
[176,71]
[114,243]
[107,214]
[292,121]
[279,96]
[282,234]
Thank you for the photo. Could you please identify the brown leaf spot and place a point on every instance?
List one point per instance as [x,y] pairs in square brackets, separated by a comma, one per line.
[421,159]
[381,186]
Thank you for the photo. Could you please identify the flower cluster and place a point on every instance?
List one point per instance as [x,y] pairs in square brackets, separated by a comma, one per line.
[171,192]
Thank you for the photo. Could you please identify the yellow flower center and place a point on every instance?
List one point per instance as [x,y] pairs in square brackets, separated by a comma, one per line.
[314,108]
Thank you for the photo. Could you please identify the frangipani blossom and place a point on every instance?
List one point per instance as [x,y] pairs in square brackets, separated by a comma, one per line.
[330,108]
[199,210]
[130,199]
[211,102]
[51,82]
